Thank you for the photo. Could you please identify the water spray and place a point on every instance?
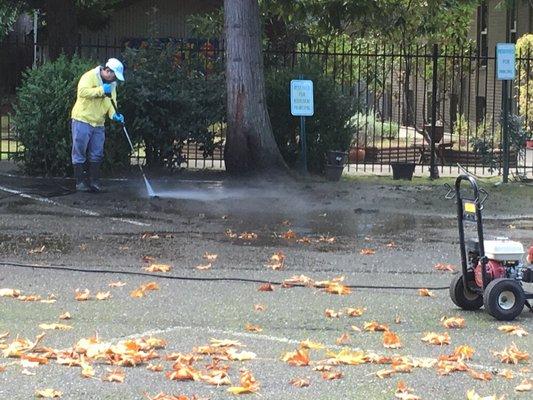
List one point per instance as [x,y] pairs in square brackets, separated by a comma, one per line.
[149,189]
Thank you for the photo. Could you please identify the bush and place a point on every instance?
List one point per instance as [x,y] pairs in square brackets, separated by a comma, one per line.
[42,118]
[327,129]
[172,95]
[366,129]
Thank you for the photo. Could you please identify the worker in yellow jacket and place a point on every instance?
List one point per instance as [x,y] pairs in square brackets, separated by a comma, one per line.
[96,88]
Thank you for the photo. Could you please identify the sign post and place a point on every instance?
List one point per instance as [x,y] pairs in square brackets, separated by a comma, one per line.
[505,72]
[302,105]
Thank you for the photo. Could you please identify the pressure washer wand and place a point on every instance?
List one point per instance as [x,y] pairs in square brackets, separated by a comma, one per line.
[149,189]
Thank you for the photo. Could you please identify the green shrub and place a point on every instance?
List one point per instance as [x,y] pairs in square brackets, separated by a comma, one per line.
[367,130]
[170,96]
[327,129]
[42,118]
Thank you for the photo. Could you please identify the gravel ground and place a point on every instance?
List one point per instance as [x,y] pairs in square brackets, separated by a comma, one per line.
[103,238]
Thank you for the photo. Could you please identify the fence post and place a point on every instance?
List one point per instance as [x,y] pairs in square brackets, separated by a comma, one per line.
[505,144]
[433,172]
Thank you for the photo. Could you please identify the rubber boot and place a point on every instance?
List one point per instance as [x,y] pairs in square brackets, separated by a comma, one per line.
[94,177]
[81,180]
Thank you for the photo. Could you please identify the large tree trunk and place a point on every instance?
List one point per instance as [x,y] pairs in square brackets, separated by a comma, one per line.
[62,27]
[250,145]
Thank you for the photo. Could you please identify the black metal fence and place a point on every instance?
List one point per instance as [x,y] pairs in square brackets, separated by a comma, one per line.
[418,105]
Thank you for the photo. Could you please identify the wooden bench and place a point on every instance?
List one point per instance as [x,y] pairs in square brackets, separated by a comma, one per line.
[194,151]
[470,158]
[407,155]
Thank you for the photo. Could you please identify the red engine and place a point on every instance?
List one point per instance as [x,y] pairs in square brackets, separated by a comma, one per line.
[494,269]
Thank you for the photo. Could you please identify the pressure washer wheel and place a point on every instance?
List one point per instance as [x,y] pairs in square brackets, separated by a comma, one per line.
[466,300]
[504,299]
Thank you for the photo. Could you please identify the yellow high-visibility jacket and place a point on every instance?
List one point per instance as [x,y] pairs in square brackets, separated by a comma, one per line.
[92,105]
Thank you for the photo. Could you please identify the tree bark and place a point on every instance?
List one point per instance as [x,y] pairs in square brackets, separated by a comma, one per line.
[62,26]
[250,144]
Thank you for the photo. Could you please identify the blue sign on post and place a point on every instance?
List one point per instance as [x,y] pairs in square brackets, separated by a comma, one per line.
[302,104]
[505,61]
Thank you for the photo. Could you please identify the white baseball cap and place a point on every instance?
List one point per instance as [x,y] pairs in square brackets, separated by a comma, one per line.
[116,66]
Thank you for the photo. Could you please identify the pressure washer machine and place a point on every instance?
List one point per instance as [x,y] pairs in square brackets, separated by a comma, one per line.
[493,271]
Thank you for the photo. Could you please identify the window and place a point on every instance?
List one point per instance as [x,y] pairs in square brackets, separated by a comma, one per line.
[482,33]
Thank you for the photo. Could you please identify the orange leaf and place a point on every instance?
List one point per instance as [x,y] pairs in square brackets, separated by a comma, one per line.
[210,257]
[329,313]
[248,236]
[367,252]
[157,268]
[103,295]
[137,293]
[248,384]
[300,382]
[308,344]
[298,358]
[506,373]
[65,315]
[330,375]
[58,327]
[513,330]
[115,375]
[385,373]
[343,339]
[117,284]
[155,367]
[453,322]
[436,338]
[463,352]
[277,261]
[354,312]
[375,327]
[445,267]
[337,288]
[511,355]
[265,287]
[203,267]
[481,376]
[391,340]
[288,235]
[425,293]
[82,296]
[253,328]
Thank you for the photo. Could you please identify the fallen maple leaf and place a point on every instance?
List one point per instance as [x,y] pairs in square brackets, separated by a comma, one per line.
[425,293]
[348,357]
[299,280]
[277,261]
[48,393]
[385,373]
[329,313]
[463,352]
[253,328]
[525,386]
[354,312]
[103,295]
[445,267]
[115,375]
[58,327]
[343,339]
[37,250]
[373,326]
[330,375]
[203,267]
[337,288]
[299,382]
[481,376]
[65,315]
[404,393]
[288,235]
[235,355]
[298,358]
[265,287]
[158,268]
[82,296]
[453,322]
[367,252]
[155,367]
[309,344]
[210,257]
[445,367]
[506,373]
[391,340]
[326,239]
[6,292]
[513,330]
[248,236]
[248,384]
[511,355]
[259,307]
[436,338]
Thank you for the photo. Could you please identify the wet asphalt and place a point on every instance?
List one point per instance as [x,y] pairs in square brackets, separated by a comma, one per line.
[411,228]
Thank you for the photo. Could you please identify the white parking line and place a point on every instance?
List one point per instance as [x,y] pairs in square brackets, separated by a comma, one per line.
[83,211]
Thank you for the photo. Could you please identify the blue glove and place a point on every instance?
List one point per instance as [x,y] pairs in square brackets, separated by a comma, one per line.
[108,88]
[118,118]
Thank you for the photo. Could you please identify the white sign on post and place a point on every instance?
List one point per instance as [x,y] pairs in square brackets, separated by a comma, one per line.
[505,61]
[302,104]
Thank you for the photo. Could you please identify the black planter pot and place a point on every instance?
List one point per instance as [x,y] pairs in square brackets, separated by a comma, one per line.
[334,172]
[403,170]
[335,157]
